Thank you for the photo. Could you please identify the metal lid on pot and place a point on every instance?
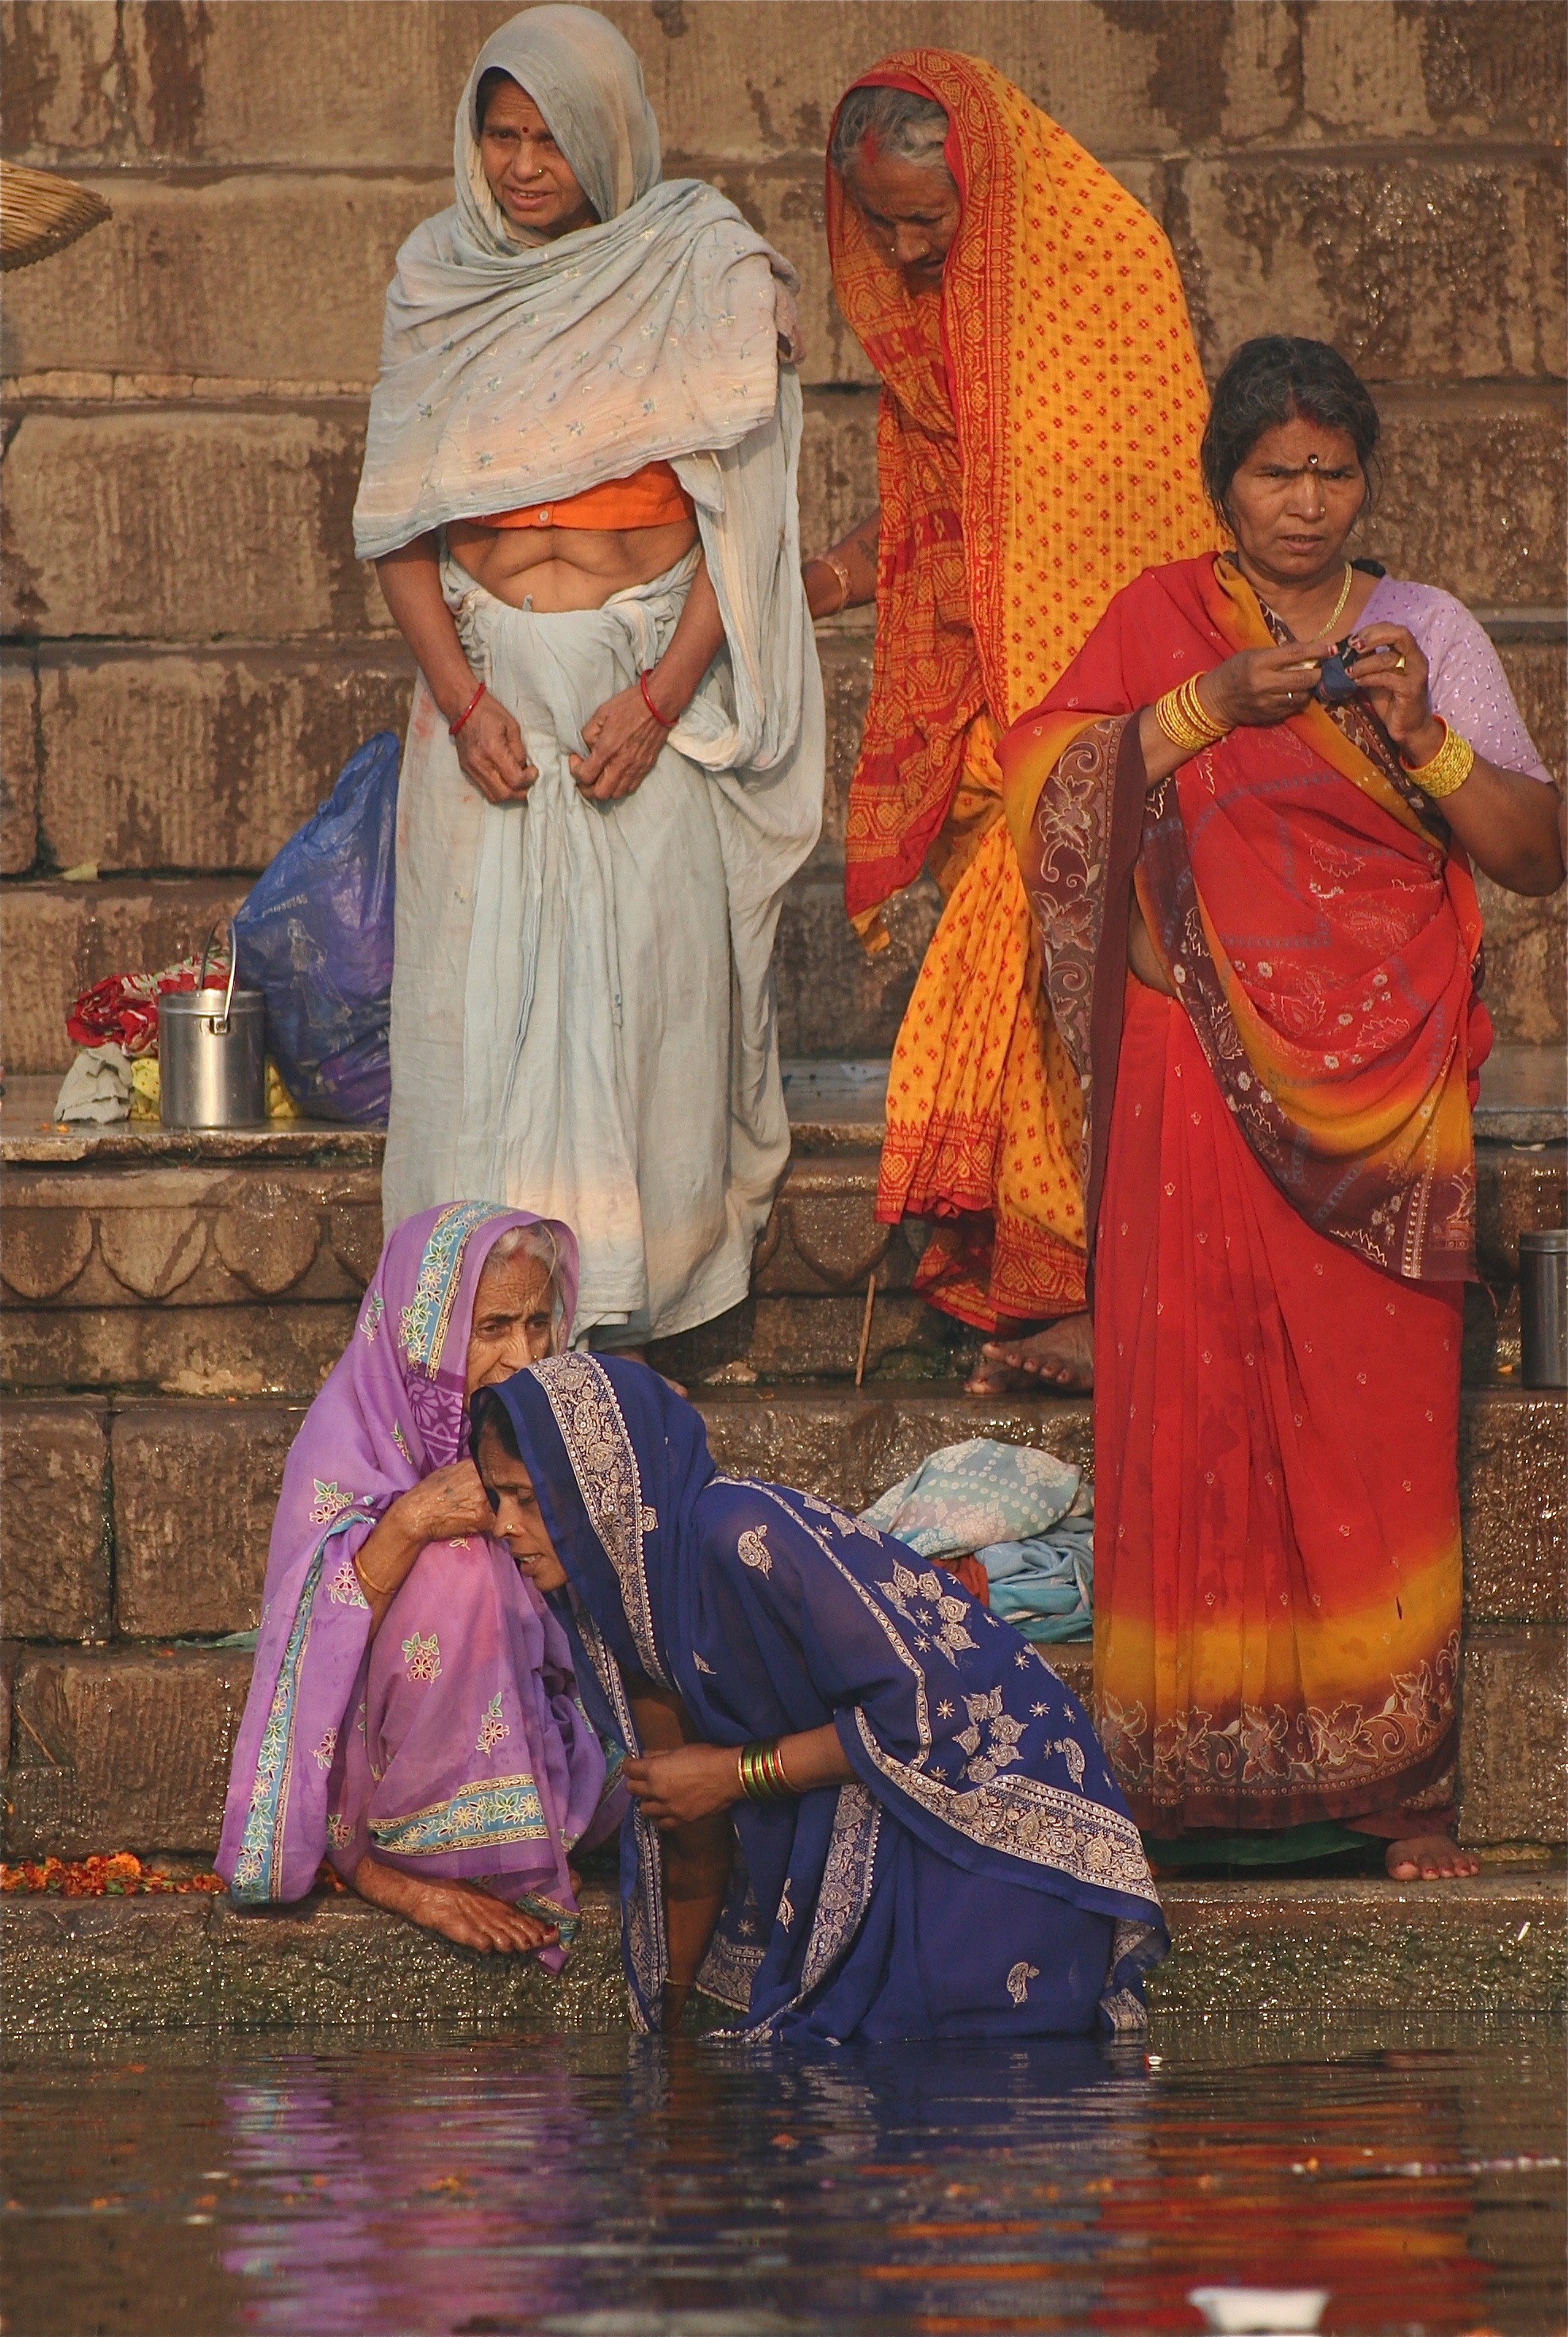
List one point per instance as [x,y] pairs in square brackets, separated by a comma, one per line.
[1543,1240]
[219,1002]
[214,1003]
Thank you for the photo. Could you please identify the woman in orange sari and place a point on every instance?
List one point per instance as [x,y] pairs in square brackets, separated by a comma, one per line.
[1276,841]
[1037,445]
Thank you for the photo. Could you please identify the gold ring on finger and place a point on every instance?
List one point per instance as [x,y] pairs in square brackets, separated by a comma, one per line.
[1398,665]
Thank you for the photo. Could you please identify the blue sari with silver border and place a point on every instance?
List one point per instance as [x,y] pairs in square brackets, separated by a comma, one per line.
[979,1877]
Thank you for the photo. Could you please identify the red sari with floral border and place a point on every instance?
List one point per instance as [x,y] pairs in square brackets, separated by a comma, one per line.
[1280,1176]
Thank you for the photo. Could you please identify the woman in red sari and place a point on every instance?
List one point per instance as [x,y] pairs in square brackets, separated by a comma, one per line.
[1250,869]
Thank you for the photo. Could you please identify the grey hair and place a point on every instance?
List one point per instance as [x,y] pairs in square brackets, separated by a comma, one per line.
[539,1243]
[895,122]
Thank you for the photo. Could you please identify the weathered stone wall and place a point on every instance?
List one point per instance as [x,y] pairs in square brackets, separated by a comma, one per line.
[193,647]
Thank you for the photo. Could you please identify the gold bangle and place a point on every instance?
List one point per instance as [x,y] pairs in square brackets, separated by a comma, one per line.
[1185,721]
[1197,714]
[1449,768]
[381,1590]
[831,560]
[1168,715]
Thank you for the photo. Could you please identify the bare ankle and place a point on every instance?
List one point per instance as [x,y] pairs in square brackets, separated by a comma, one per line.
[384,1886]
[676,1992]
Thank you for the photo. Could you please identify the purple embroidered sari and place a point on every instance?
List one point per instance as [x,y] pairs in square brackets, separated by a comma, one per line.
[452,1743]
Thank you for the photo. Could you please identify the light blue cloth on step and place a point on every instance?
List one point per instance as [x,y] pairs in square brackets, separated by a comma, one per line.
[1027,1516]
[1045,1583]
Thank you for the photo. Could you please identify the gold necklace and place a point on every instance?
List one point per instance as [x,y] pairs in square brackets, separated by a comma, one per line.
[1338,608]
[1344,596]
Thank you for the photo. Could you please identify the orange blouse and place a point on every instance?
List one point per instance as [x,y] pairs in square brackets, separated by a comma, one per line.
[651,497]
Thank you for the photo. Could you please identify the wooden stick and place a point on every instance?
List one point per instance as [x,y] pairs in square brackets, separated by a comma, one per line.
[866,1326]
[37,1740]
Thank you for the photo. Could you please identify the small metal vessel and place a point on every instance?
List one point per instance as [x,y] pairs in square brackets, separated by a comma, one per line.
[212,1052]
[1543,1307]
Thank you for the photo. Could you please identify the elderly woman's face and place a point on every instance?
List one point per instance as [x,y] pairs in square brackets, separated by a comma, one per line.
[911,212]
[518,1523]
[514,1317]
[529,176]
[1295,499]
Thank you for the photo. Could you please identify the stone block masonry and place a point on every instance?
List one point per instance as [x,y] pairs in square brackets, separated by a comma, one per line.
[192,649]
[140,1531]
[128,519]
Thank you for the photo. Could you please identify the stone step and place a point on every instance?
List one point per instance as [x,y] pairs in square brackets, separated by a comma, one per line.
[150,1519]
[195,484]
[286,84]
[122,758]
[832,998]
[244,1279]
[283,271]
[127,1746]
[133,1258]
[228,1266]
[133,1528]
[206,759]
[77,1970]
[97,806]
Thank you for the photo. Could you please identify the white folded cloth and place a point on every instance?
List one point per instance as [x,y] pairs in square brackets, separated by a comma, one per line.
[97,1087]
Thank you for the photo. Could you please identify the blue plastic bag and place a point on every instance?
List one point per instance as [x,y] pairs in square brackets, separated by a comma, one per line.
[314,934]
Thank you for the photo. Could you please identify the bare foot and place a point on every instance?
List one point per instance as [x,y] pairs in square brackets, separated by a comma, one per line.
[463,1911]
[1062,1356]
[1428,1858]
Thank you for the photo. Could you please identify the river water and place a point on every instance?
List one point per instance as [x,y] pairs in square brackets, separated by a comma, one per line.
[612,2188]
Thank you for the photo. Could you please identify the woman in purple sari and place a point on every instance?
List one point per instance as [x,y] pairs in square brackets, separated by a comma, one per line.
[413,1714]
[865,1807]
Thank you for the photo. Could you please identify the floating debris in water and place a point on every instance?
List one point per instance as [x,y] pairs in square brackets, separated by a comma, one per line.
[1286,2312]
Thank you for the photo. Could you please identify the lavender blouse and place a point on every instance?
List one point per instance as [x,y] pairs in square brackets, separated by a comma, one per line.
[1466,684]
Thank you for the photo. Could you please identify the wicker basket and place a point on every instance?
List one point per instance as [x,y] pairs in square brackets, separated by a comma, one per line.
[40,214]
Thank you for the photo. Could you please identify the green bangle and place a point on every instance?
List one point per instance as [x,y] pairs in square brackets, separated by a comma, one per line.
[760,1768]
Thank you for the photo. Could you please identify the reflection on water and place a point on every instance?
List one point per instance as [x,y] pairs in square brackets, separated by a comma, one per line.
[615,2188]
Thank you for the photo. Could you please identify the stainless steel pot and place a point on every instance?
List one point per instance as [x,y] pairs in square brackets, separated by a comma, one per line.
[212,1052]
[1543,1307]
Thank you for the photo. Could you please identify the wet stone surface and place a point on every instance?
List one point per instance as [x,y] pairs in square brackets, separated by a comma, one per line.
[82,1969]
[613,2187]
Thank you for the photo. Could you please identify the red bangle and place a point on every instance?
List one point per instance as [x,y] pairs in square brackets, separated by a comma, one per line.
[665,721]
[452,727]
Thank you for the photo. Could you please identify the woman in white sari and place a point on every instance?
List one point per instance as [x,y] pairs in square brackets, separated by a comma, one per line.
[579,493]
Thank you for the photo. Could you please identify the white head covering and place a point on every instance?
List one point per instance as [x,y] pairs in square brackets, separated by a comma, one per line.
[517,368]
[587,83]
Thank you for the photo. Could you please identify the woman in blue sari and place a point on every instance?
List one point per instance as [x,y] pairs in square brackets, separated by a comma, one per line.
[864,1807]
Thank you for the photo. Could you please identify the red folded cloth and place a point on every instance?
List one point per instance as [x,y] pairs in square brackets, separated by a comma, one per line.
[124,1007]
[971,1574]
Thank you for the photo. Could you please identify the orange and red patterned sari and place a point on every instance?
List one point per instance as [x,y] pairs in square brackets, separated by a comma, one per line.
[1037,445]
[1281,1178]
